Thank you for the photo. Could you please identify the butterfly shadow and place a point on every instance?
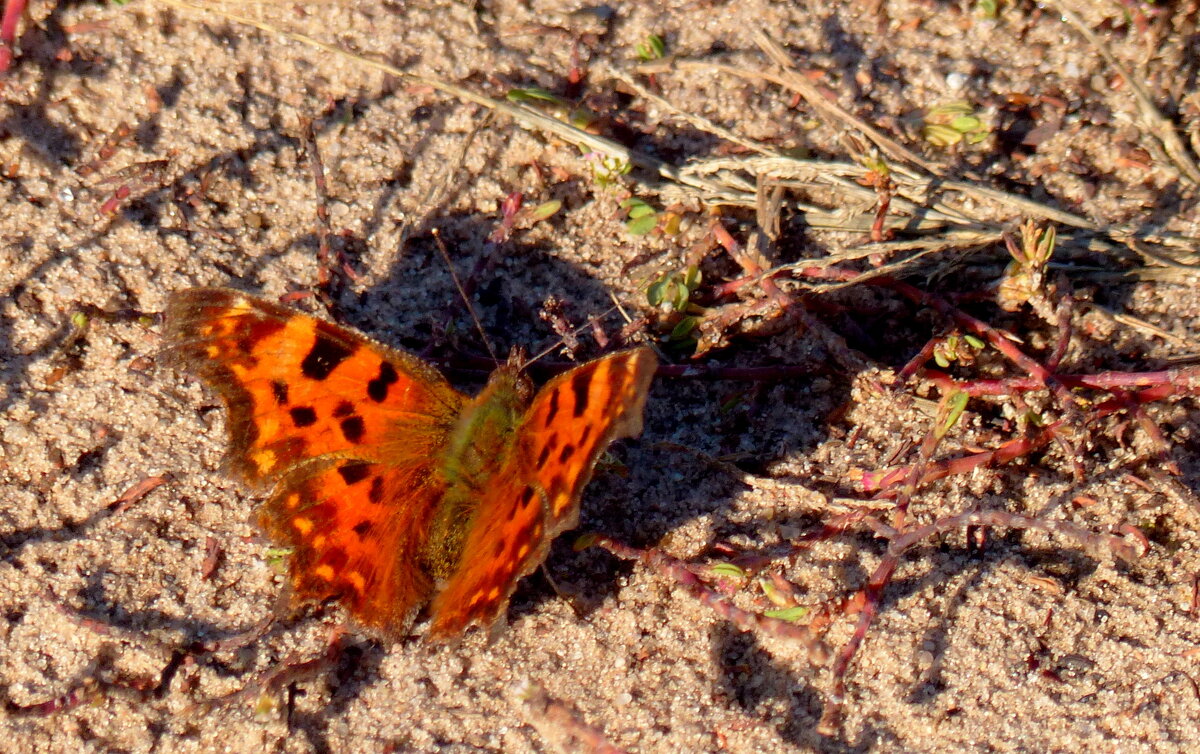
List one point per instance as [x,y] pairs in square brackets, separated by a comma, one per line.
[353,670]
[774,693]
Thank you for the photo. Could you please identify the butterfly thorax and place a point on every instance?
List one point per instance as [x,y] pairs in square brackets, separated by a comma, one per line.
[483,435]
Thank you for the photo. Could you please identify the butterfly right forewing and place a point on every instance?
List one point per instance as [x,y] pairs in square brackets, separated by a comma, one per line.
[535,494]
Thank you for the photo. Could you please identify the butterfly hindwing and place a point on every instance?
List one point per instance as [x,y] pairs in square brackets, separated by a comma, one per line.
[535,493]
[356,530]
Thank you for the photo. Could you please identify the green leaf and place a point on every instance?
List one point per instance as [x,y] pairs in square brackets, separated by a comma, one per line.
[728,570]
[789,614]
[533,94]
[974,342]
[640,226]
[952,410]
[585,541]
[545,209]
[655,294]
[652,49]
[941,136]
[683,327]
[636,207]
[966,124]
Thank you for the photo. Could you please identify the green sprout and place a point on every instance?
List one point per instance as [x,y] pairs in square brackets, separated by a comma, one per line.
[952,123]
[672,293]
[652,49]
[642,217]
[606,169]
[1025,277]
[989,9]
[957,348]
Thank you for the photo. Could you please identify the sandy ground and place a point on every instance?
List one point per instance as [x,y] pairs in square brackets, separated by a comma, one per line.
[1028,643]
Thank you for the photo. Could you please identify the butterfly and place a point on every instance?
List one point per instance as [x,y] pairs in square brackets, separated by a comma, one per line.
[393,490]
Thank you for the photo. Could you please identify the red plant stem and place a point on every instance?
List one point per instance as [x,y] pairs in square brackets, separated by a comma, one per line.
[1184,380]
[831,715]
[749,265]
[562,720]
[1065,308]
[915,363]
[881,481]
[978,327]
[8,31]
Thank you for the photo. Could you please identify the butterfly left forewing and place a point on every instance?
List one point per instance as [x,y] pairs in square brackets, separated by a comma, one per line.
[299,388]
[535,494]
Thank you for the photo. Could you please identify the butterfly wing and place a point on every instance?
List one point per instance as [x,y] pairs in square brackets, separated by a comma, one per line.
[299,388]
[346,429]
[352,540]
[535,494]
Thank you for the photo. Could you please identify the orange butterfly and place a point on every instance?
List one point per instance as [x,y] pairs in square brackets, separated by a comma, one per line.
[392,488]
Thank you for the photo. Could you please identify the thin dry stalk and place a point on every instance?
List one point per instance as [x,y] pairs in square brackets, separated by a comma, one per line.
[1153,121]
[559,723]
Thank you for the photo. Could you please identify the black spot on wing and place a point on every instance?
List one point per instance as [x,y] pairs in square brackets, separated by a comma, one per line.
[279,389]
[579,386]
[362,528]
[324,357]
[377,389]
[375,495]
[543,456]
[352,473]
[526,498]
[567,452]
[353,428]
[303,416]
[552,410]
[336,558]
[344,409]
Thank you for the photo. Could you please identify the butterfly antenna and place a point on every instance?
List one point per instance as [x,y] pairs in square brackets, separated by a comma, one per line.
[437,237]
[556,344]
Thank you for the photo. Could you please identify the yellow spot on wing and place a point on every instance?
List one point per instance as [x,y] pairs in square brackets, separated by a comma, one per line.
[324,572]
[303,525]
[357,581]
[264,460]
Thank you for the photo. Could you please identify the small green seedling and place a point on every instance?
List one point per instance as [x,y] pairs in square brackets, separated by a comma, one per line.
[654,48]
[952,123]
[1024,279]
